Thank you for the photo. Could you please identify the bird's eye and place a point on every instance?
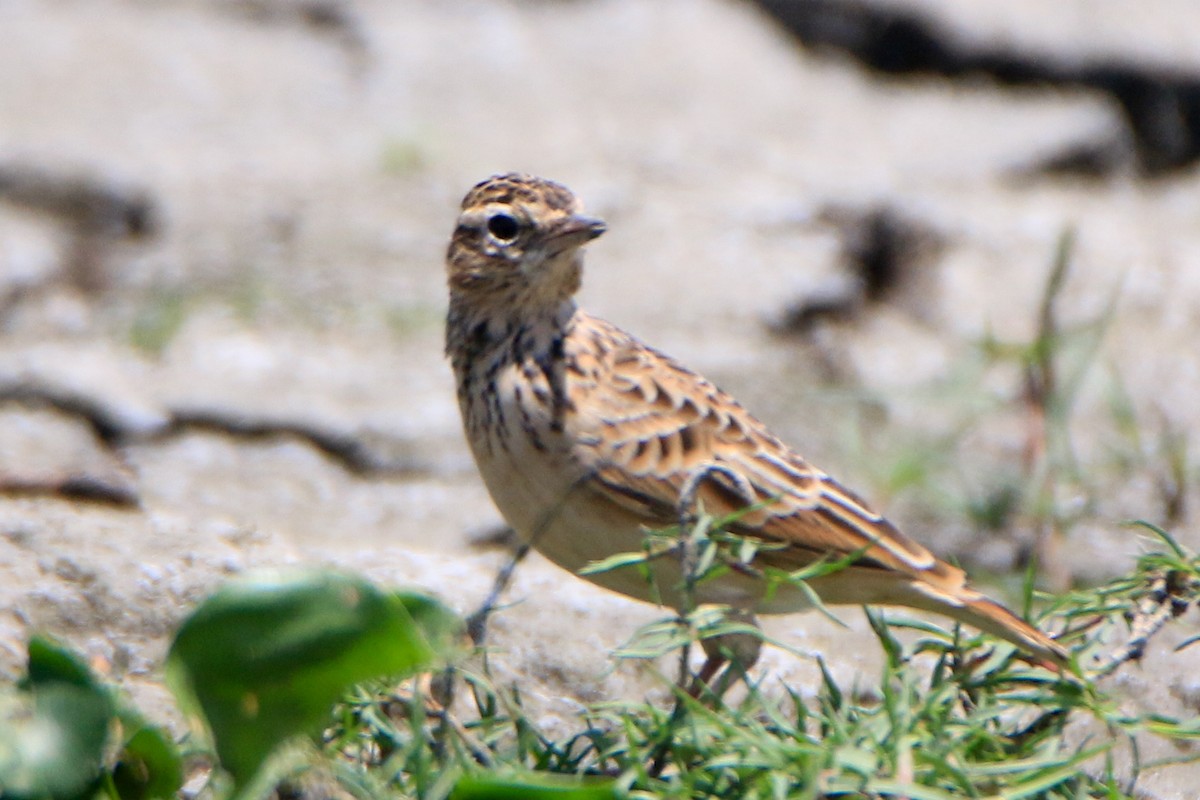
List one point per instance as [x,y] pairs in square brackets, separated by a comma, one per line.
[503,226]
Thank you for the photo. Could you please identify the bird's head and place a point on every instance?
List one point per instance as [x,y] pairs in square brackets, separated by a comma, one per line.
[518,241]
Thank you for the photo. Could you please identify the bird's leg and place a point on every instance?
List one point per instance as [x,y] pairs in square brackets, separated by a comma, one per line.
[477,621]
[690,516]
[743,647]
[734,652]
[442,685]
[689,559]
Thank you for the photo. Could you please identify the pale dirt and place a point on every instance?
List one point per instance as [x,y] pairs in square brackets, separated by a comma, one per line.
[308,185]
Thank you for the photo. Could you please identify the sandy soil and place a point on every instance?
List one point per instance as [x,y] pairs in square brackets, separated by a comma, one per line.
[307,179]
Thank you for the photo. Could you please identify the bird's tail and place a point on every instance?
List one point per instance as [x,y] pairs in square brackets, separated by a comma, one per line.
[979,611]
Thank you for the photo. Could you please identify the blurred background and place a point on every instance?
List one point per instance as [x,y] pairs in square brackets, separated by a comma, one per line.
[948,251]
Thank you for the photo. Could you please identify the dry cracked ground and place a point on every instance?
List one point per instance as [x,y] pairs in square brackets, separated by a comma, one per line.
[221,233]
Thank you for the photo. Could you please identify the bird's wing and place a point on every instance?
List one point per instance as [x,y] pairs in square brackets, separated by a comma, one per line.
[653,430]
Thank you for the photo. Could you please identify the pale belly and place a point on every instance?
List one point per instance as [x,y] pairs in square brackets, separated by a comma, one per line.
[551,508]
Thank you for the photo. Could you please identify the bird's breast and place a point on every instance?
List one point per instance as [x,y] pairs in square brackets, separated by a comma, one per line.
[513,417]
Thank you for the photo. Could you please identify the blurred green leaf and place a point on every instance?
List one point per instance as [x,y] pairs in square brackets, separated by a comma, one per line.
[52,742]
[55,734]
[54,731]
[533,787]
[267,656]
[51,662]
[149,766]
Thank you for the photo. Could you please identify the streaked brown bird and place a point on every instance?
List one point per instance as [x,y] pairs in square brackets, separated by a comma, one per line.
[586,437]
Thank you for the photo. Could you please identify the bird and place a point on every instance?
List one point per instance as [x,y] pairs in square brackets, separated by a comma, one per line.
[586,438]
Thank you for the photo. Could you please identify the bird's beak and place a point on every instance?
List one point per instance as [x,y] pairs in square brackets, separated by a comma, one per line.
[592,226]
[576,230]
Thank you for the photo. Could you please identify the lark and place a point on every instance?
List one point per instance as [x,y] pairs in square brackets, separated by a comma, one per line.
[586,438]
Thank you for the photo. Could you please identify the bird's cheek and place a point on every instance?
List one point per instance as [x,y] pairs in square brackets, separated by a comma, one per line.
[538,269]
[532,268]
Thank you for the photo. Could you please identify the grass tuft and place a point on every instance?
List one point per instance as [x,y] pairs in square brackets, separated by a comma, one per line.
[953,714]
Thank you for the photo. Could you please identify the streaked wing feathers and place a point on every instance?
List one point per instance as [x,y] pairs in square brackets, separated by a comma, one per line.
[664,425]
